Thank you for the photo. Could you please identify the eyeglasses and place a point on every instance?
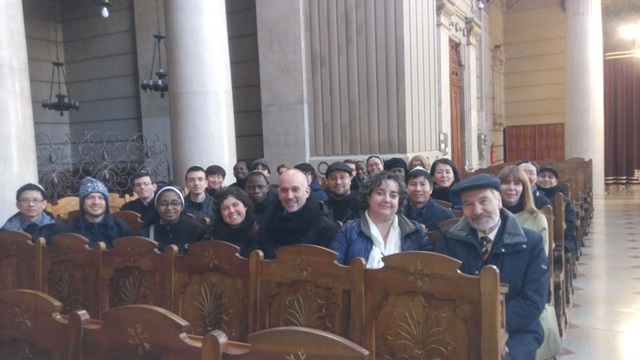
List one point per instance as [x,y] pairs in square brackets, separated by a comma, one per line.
[146,183]
[26,201]
[173,204]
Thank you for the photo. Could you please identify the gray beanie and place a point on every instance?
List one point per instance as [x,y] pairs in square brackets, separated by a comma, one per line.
[90,185]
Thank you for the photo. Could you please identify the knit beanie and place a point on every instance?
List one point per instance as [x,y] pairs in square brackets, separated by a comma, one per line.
[90,185]
[261,161]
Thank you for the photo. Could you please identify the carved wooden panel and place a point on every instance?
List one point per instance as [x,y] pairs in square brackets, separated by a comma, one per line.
[132,285]
[304,286]
[71,273]
[212,289]
[20,261]
[31,326]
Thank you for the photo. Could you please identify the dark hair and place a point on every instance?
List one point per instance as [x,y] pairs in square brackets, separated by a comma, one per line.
[31,187]
[414,174]
[257,173]
[227,191]
[445,161]
[193,169]
[375,181]
[306,168]
[215,170]
[349,161]
[529,162]
[141,174]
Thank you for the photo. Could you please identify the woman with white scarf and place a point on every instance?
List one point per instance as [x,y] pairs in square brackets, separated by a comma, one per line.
[382,229]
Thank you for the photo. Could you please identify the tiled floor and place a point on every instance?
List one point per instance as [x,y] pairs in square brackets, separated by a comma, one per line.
[604,320]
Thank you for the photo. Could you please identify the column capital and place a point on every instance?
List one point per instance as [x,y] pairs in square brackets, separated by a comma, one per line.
[473,30]
[445,9]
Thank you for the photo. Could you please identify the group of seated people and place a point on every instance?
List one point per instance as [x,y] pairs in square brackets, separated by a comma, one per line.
[385,209]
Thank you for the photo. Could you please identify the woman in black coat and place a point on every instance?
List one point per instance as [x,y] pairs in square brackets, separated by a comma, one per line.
[235,222]
[172,226]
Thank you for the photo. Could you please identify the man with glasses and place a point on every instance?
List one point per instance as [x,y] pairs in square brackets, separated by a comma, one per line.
[343,204]
[145,188]
[31,216]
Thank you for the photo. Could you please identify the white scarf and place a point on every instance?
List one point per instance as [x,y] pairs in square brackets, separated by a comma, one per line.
[379,249]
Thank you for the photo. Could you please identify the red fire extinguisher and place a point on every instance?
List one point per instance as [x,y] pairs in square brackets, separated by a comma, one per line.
[492,154]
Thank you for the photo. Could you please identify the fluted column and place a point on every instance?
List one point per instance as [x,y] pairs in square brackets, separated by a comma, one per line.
[18,164]
[200,98]
[584,123]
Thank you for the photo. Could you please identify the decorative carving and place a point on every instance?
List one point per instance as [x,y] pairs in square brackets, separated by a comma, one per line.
[213,308]
[132,254]
[68,286]
[419,332]
[498,58]
[23,318]
[7,278]
[418,275]
[138,339]
[211,259]
[301,355]
[130,287]
[306,309]
[302,267]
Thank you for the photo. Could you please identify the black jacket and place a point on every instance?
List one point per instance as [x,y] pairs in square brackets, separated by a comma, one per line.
[181,233]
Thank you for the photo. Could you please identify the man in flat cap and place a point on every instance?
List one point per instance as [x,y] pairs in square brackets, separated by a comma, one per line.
[490,235]
[343,204]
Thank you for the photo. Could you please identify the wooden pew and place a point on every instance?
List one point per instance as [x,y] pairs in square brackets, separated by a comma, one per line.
[135,272]
[137,332]
[63,206]
[131,218]
[291,342]
[211,285]
[71,273]
[420,303]
[31,326]
[305,286]
[560,271]
[20,261]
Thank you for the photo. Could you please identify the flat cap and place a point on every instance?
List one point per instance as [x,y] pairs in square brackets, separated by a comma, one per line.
[480,181]
[549,169]
[338,166]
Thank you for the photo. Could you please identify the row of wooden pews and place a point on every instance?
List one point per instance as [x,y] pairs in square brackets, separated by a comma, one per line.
[576,180]
[417,298]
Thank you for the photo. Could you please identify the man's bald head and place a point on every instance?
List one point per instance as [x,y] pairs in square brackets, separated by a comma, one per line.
[293,190]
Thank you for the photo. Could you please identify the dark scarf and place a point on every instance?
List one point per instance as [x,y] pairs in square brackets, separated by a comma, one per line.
[518,207]
[247,228]
[271,196]
[441,193]
[550,192]
[289,228]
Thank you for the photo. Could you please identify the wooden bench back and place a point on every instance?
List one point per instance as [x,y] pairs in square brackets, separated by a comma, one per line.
[20,261]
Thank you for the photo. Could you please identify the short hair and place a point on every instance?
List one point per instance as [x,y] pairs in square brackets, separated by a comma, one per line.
[374,181]
[257,173]
[529,162]
[349,161]
[518,174]
[445,161]
[193,169]
[215,170]
[31,187]
[414,174]
[226,192]
[306,168]
[141,174]
[284,165]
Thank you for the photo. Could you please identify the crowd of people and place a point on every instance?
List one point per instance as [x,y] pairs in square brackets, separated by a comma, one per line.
[367,209]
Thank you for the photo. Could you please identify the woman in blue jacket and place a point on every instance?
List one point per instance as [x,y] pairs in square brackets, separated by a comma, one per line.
[382,229]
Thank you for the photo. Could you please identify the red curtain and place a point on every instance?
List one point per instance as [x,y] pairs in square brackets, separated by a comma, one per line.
[622,119]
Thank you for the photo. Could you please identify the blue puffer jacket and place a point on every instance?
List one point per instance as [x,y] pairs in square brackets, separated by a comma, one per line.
[354,239]
[519,255]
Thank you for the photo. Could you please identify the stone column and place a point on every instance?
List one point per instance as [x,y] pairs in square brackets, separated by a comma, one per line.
[200,98]
[284,79]
[584,123]
[445,11]
[18,161]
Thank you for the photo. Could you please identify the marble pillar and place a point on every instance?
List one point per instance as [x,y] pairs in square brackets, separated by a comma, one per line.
[18,161]
[584,123]
[284,79]
[200,97]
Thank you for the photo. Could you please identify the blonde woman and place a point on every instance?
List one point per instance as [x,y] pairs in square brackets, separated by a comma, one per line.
[517,197]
